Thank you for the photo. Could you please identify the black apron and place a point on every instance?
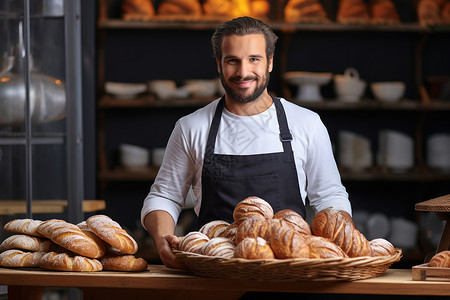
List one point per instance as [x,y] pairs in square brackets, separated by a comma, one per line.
[229,179]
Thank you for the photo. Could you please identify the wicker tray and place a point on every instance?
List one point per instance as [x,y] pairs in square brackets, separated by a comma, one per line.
[331,269]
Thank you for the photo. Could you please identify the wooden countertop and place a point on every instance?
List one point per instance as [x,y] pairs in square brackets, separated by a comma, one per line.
[160,281]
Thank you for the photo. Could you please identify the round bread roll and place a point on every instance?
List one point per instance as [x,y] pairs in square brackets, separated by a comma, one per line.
[295,219]
[128,263]
[381,247]
[286,242]
[68,262]
[15,258]
[320,247]
[440,260]
[230,231]
[112,233]
[254,248]
[214,228]
[193,242]
[252,228]
[219,246]
[252,207]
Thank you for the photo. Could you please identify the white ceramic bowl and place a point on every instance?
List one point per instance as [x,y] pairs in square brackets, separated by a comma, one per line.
[123,90]
[348,89]
[132,156]
[389,91]
[163,89]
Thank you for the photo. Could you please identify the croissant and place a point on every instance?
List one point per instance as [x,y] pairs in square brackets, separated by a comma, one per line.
[338,226]
[353,12]
[440,260]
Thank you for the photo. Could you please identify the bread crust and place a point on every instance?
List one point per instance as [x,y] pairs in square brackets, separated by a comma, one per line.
[27,242]
[252,207]
[24,226]
[295,219]
[254,248]
[214,228]
[320,247]
[68,262]
[286,242]
[193,242]
[126,263]
[440,260]
[15,258]
[253,228]
[219,246]
[381,247]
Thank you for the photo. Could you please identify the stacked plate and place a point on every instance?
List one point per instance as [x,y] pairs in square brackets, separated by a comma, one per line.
[438,151]
[396,150]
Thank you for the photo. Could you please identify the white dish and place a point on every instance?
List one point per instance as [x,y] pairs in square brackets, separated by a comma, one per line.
[308,84]
[133,157]
[388,91]
[124,90]
[349,87]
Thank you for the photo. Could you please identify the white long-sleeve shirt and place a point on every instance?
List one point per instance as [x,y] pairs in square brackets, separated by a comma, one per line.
[318,176]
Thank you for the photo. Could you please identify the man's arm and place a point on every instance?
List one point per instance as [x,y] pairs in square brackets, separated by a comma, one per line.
[161,227]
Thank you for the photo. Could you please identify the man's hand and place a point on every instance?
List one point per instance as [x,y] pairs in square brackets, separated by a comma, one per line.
[164,246]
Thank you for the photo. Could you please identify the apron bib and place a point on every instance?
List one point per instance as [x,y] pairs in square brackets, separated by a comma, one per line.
[229,179]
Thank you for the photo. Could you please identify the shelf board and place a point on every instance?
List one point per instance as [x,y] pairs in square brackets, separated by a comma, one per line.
[19,138]
[208,23]
[150,101]
[121,174]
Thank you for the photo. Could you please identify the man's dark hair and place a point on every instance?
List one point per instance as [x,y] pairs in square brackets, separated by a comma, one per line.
[243,26]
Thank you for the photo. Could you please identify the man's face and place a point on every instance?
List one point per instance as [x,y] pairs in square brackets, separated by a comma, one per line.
[244,68]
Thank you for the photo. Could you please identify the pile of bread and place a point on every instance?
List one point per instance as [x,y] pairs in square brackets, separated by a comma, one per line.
[433,12]
[146,10]
[258,233]
[99,243]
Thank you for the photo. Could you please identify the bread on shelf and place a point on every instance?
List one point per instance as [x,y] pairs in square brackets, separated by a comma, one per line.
[179,8]
[428,12]
[305,11]
[137,10]
[353,12]
[383,12]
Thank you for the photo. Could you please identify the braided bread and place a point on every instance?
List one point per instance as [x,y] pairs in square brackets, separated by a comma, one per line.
[112,233]
[68,262]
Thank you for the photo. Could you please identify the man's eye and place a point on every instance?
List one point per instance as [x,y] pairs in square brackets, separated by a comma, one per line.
[254,59]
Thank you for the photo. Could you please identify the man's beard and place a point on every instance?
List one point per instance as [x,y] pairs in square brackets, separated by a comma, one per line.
[238,96]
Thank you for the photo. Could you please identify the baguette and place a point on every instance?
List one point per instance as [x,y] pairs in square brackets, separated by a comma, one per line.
[68,262]
[112,233]
[87,231]
[338,227]
[24,226]
[71,237]
[20,259]
[127,263]
[27,242]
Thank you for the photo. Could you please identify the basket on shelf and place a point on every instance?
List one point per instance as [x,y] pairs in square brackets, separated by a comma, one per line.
[330,269]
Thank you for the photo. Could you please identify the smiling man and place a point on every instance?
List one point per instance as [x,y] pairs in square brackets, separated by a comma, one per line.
[246,143]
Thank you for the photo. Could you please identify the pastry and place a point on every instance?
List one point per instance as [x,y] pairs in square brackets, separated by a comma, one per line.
[353,12]
[20,259]
[219,246]
[214,228]
[254,248]
[383,12]
[305,11]
[27,242]
[137,10]
[381,247]
[252,207]
[193,242]
[295,219]
[440,260]
[112,233]
[338,227]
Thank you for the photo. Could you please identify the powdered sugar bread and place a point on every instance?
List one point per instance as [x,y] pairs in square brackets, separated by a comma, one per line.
[87,231]
[252,207]
[219,246]
[27,242]
[15,258]
[124,263]
[24,226]
[70,237]
[214,228]
[112,233]
[193,242]
[68,262]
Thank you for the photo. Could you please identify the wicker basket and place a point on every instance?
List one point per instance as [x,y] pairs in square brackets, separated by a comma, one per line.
[331,269]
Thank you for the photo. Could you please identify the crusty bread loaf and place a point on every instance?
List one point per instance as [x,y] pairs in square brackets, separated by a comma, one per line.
[286,242]
[24,226]
[69,262]
[295,219]
[305,11]
[137,9]
[252,207]
[87,231]
[127,263]
[27,242]
[230,231]
[20,259]
[112,233]
[383,12]
[193,242]
[219,246]
[381,247]
[320,247]
[445,13]
[428,12]
[254,248]
[180,7]
[70,237]
[338,227]
[353,12]
[252,228]
[440,260]
[214,228]
[220,8]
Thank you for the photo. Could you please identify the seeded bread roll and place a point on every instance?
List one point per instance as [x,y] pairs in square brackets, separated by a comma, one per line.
[127,263]
[214,228]
[252,228]
[193,242]
[381,247]
[24,226]
[70,237]
[254,248]
[27,242]
[295,219]
[252,207]
[286,242]
[440,260]
[320,247]
[219,246]
[112,233]
[20,259]
[69,262]
[338,227]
